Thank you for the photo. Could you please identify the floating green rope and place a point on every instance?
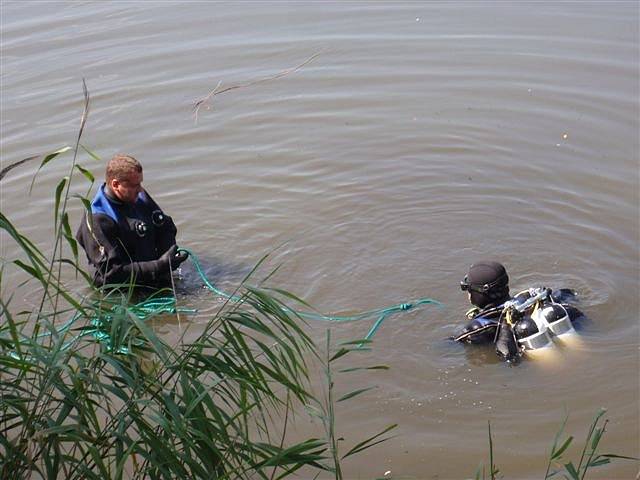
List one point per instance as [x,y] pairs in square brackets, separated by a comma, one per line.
[208,284]
[167,304]
[381,313]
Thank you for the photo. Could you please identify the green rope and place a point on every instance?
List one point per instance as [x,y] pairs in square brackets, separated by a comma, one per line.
[157,305]
[208,284]
[381,313]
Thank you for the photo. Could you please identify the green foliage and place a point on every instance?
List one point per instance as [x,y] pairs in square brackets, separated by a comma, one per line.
[589,458]
[324,409]
[104,397]
[134,406]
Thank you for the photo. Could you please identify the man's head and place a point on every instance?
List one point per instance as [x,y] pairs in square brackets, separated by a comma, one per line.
[124,177]
[486,283]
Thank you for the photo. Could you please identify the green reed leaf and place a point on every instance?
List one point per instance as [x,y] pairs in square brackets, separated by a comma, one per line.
[59,190]
[340,353]
[622,457]
[598,461]
[370,442]
[33,271]
[572,471]
[47,159]
[91,153]
[69,236]
[354,393]
[555,455]
[364,341]
[357,369]
[87,174]
[85,202]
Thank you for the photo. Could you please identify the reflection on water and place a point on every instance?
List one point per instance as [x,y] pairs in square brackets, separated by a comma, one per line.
[423,138]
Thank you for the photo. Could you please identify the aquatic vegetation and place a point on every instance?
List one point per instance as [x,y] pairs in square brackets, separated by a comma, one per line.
[590,456]
[102,396]
[89,390]
[76,406]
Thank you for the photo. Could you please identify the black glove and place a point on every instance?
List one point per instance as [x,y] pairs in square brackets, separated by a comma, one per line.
[172,258]
[179,257]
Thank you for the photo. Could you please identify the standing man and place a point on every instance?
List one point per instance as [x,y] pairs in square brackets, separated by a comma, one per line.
[127,237]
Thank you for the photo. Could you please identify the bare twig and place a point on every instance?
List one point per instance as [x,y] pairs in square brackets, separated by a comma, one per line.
[204,101]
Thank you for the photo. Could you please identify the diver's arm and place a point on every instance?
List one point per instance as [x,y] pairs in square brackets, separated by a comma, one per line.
[563,295]
[479,330]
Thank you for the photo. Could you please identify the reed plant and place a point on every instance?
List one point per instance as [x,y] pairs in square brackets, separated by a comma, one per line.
[88,389]
[73,407]
[557,465]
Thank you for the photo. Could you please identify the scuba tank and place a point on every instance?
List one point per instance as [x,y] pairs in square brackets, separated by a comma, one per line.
[547,319]
[531,321]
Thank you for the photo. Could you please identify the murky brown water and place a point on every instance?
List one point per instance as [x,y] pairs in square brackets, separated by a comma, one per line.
[422,138]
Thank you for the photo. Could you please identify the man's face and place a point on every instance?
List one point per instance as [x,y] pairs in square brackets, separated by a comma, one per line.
[128,188]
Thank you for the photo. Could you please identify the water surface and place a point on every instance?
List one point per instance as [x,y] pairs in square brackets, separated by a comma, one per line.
[424,137]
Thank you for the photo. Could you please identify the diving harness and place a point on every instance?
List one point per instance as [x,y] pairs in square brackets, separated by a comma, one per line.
[529,321]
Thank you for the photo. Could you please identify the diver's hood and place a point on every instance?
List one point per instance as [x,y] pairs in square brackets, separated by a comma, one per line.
[487,283]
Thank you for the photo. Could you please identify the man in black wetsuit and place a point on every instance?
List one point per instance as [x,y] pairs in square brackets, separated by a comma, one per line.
[527,321]
[127,237]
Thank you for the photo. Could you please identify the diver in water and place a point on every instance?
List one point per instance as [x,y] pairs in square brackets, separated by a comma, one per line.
[126,236]
[515,325]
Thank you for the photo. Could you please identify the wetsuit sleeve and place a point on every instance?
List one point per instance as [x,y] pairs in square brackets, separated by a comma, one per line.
[107,254]
[573,312]
[478,330]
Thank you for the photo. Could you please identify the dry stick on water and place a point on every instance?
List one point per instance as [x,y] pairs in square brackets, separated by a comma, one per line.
[215,91]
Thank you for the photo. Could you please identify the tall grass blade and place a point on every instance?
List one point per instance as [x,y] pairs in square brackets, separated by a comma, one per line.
[47,158]
[9,167]
[87,174]
[91,153]
[56,210]
[369,442]
[354,393]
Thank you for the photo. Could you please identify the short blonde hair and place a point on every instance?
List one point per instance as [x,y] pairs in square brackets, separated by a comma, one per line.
[121,166]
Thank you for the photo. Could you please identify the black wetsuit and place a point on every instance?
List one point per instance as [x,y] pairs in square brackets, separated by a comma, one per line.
[125,242]
[486,325]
